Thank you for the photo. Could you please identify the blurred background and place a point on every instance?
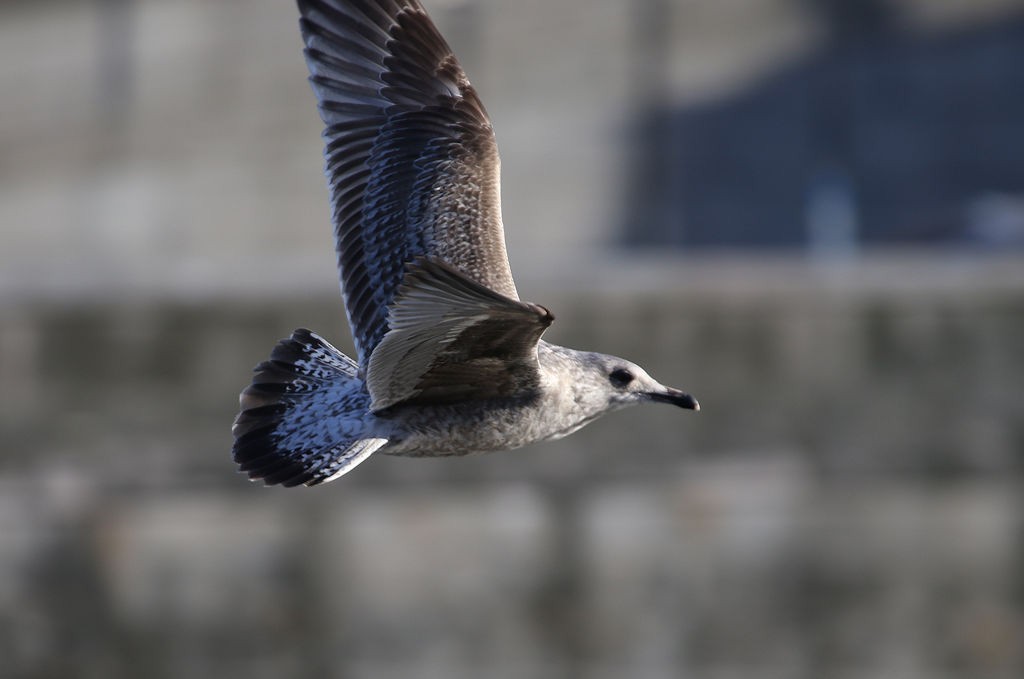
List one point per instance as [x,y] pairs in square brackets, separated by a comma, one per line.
[808,213]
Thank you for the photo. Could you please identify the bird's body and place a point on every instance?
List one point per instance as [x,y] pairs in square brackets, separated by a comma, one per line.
[450,360]
[506,423]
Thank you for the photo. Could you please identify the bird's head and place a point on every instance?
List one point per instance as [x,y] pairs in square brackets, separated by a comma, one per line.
[628,383]
[621,383]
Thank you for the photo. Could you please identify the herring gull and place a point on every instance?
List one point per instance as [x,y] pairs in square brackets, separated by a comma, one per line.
[450,360]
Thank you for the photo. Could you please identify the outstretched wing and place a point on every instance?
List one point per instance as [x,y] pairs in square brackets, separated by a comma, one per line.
[452,339]
[411,160]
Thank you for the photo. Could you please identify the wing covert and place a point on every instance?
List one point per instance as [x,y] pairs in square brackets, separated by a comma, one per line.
[452,339]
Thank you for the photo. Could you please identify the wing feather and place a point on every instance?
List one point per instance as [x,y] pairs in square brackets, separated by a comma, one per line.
[452,339]
[411,160]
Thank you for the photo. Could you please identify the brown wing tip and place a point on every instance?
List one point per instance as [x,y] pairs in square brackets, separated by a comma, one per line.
[546,317]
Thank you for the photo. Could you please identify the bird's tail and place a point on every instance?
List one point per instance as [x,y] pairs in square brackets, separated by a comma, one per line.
[302,419]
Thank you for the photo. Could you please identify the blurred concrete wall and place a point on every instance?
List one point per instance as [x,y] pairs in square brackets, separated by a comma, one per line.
[154,145]
[847,504]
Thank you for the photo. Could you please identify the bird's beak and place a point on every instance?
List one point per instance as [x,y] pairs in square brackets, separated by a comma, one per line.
[675,397]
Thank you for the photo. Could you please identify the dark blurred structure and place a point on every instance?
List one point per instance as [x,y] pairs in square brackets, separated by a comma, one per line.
[884,136]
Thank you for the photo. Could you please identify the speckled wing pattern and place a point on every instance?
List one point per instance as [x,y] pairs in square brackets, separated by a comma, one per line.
[301,419]
[411,160]
[452,340]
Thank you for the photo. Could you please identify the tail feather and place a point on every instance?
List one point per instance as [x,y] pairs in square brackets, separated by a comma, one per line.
[302,417]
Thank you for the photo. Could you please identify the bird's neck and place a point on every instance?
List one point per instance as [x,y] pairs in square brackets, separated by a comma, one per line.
[568,383]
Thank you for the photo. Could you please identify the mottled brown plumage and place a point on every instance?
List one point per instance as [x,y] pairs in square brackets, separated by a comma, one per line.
[450,360]
[412,162]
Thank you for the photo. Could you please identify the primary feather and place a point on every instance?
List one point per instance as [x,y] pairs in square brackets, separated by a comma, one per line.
[411,160]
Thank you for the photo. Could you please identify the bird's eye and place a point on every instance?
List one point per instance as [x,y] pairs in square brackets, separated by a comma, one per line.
[620,378]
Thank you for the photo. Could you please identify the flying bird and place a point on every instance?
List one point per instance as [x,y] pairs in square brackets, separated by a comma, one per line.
[450,360]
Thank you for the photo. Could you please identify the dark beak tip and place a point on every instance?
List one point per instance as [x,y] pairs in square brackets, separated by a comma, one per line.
[677,398]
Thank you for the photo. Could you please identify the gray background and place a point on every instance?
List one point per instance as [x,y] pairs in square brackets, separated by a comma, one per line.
[847,504]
